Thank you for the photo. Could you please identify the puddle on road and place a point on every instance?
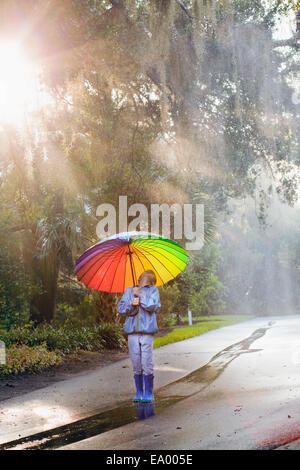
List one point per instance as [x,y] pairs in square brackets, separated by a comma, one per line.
[129,412]
[199,379]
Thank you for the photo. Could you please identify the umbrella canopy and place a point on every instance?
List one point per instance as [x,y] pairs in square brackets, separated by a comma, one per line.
[115,263]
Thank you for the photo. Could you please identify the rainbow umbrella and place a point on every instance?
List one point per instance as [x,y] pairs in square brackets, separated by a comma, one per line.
[115,263]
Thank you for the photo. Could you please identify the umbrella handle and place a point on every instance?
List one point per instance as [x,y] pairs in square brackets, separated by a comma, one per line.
[131,265]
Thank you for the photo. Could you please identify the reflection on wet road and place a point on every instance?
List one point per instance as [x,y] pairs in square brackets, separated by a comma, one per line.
[128,412]
[200,378]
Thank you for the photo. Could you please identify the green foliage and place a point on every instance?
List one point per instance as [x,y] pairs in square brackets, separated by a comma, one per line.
[15,292]
[153,101]
[78,309]
[66,338]
[209,298]
[199,285]
[168,298]
[23,358]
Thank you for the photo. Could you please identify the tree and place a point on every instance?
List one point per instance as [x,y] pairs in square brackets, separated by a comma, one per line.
[163,101]
[199,285]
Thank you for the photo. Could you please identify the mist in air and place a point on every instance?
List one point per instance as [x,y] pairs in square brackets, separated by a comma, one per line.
[260,266]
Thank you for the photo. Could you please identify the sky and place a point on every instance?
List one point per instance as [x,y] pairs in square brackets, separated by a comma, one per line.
[285,27]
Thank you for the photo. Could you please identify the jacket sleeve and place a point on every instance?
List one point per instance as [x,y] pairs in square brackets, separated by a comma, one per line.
[152,303]
[124,306]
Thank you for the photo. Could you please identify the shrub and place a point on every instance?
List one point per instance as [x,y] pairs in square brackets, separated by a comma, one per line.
[168,298]
[15,291]
[85,312]
[199,285]
[28,359]
[66,338]
[209,299]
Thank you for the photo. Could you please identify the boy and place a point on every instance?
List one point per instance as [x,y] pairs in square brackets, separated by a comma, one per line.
[140,305]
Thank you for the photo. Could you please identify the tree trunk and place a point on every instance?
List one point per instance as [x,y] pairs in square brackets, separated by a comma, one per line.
[44,277]
[108,307]
[43,303]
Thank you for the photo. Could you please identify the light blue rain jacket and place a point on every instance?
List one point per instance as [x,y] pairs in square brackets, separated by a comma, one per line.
[140,319]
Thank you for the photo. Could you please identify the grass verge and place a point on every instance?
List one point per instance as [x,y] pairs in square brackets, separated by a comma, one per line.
[204,324]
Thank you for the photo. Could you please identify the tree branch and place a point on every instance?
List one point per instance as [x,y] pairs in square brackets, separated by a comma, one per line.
[184,8]
[292,42]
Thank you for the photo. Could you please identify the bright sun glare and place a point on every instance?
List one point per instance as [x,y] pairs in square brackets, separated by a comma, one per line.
[17,83]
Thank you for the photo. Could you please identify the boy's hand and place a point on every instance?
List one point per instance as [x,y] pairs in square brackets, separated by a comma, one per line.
[136,291]
[136,301]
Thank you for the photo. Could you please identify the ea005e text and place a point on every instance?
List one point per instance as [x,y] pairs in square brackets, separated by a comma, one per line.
[175,459]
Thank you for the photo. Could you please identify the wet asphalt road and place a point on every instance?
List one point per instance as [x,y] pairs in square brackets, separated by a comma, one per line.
[100,400]
[246,396]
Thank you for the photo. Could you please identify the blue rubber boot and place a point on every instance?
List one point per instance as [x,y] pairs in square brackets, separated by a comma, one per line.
[149,410]
[139,388]
[141,410]
[148,395]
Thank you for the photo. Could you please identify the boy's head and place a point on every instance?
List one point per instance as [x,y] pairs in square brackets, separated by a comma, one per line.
[146,278]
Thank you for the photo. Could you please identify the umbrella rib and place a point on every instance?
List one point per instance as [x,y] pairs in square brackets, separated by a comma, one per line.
[103,274]
[84,269]
[124,274]
[159,240]
[177,249]
[154,249]
[132,266]
[165,258]
[160,263]
[151,264]
[92,250]
[140,260]
[108,253]
[122,253]
[171,252]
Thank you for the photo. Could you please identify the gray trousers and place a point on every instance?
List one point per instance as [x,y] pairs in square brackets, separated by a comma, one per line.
[140,351]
